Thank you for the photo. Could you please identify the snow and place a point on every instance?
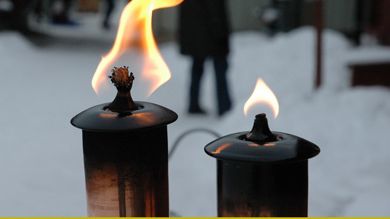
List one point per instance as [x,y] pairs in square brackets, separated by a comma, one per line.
[41,161]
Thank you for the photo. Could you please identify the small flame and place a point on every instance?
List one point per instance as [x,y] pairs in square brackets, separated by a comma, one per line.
[262,95]
[136,23]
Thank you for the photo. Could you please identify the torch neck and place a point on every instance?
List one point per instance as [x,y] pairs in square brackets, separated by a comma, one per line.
[123,102]
[260,132]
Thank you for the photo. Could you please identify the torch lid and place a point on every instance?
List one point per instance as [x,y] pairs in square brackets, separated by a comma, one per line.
[123,114]
[101,119]
[262,145]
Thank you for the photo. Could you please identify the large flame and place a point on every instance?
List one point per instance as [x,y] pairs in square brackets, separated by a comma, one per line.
[136,23]
[262,95]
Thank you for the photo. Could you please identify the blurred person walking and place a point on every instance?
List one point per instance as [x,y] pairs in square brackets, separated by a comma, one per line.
[17,17]
[204,33]
[381,20]
[109,8]
[62,16]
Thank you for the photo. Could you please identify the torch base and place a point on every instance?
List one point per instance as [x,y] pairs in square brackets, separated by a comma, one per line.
[262,189]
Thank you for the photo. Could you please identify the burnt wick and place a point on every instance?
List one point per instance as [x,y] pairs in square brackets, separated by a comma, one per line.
[123,81]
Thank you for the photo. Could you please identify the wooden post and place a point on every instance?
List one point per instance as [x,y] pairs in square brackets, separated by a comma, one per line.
[319,23]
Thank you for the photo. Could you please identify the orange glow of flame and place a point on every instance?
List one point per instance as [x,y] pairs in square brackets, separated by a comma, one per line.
[136,23]
[221,148]
[262,95]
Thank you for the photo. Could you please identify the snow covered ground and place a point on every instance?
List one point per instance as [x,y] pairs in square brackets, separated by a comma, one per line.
[41,89]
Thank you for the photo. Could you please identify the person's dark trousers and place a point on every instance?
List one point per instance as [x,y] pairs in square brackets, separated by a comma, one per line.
[223,95]
[197,71]
[20,12]
[220,68]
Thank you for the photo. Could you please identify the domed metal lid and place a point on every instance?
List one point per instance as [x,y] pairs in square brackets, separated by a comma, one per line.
[262,145]
[101,119]
[123,114]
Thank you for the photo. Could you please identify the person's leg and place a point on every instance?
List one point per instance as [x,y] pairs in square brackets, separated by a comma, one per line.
[223,95]
[196,77]
[20,12]
[67,6]
[38,10]
[63,17]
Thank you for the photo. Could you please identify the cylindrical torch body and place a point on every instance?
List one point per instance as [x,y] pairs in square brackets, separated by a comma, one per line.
[262,173]
[249,189]
[126,173]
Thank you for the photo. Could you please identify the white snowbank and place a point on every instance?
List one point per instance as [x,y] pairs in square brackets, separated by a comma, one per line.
[42,88]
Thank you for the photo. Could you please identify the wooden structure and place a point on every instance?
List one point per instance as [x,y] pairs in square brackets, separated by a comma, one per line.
[88,5]
[370,74]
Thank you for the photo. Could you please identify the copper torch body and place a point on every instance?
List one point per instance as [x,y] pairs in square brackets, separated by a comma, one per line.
[262,173]
[126,173]
[262,190]
[125,145]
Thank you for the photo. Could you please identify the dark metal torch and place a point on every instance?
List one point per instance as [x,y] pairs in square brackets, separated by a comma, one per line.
[262,173]
[126,154]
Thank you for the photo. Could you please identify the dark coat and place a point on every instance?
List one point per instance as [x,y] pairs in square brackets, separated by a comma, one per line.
[203,28]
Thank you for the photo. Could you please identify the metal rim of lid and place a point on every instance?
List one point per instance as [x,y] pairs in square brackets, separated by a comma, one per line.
[99,119]
[288,148]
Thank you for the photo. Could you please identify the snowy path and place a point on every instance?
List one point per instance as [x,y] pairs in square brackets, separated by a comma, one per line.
[42,89]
